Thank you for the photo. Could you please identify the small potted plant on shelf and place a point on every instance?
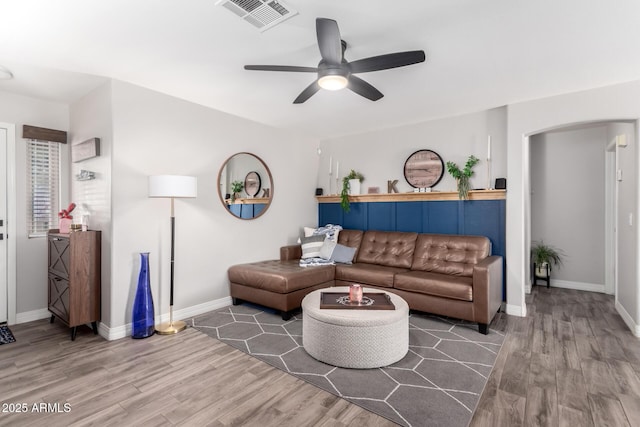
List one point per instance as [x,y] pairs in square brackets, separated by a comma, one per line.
[462,176]
[350,185]
[544,257]
[236,188]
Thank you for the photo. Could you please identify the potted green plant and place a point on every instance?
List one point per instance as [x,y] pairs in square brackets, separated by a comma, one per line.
[352,180]
[236,188]
[462,176]
[544,257]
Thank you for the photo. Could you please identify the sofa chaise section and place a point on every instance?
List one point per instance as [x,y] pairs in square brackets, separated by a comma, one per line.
[279,284]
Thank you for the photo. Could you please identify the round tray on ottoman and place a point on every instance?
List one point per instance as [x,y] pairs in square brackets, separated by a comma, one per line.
[355,338]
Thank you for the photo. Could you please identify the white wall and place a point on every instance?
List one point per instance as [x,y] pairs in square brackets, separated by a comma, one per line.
[568,202]
[618,102]
[32,253]
[380,155]
[90,117]
[627,239]
[157,134]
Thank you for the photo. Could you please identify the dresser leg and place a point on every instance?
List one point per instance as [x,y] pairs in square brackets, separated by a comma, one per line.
[52,318]
[73,333]
[94,326]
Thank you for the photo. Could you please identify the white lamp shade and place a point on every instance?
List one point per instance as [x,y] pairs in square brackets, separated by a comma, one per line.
[173,186]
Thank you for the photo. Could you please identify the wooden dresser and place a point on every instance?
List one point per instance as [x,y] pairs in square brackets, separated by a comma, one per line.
[74,278]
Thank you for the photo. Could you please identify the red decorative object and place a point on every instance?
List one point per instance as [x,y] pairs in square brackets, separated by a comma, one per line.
[66,218]
[65,213]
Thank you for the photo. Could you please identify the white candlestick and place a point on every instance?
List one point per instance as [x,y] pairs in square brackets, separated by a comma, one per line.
[330,164]
[489,148]
[337,169]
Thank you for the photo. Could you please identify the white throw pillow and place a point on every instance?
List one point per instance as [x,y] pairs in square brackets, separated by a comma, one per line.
[326,251]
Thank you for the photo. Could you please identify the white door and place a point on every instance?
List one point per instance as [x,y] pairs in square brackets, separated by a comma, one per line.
[4,299]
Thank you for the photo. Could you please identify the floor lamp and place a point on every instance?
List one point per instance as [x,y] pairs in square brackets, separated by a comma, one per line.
[172,186]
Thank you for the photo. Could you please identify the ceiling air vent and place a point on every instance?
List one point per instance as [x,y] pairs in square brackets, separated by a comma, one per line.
[262,14]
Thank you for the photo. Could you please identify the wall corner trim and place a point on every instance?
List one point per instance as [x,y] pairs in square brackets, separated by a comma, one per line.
[516,310]
[634,327]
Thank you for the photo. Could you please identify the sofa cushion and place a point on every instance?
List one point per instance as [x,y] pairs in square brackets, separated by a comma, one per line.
[279,276]
[387,248]
[328,246]
[368,274]
[436,284]
[311,246]
[449,254]
[351,238]
[343,254]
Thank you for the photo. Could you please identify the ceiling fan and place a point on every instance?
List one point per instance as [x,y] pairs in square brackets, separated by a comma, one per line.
[335,73]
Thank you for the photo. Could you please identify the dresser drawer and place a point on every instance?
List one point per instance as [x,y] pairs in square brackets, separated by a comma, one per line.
[59,297]
[59,256]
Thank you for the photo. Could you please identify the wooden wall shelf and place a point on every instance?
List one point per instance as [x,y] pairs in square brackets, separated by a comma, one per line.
[418,197]
[250,200]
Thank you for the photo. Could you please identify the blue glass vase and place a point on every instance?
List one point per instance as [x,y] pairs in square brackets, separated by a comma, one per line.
[143,316]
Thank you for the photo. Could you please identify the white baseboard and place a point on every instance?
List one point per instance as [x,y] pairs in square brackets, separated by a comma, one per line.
[580,286]
[185,313]
[635,328]
[516,310]
[30,316]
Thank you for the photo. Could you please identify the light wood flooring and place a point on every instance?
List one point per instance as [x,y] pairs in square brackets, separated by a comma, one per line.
[571,362]
[185,379]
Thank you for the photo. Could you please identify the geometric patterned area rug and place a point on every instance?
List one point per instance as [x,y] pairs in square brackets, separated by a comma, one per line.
[6,336]
[438,382]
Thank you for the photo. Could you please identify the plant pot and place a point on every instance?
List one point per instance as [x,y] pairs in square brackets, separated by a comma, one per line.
[542,270]
[354,186]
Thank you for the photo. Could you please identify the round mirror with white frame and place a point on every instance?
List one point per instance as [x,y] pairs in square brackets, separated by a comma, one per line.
[245,186]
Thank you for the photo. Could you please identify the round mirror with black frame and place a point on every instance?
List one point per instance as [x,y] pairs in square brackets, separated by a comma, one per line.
[245,186]
[252,184]
[423,169]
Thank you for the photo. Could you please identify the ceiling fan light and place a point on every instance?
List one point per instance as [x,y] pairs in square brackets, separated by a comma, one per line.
[333,82]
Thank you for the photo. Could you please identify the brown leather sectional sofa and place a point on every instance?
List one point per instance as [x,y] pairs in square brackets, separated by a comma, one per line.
[449,275]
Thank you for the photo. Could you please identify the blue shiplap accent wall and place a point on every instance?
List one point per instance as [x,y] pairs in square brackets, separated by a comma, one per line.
[246,210]
[471,217]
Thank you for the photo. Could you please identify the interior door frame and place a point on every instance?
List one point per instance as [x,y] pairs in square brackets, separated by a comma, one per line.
[11,235]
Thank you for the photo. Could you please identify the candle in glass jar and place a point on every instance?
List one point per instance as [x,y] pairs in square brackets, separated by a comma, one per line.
[355,293]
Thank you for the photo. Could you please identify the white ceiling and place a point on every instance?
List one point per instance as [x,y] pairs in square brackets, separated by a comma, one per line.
[480,54]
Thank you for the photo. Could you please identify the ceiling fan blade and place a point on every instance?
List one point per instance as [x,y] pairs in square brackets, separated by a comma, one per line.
[363,88]
[384,62]
[307,93]
[329,41]
[292,68]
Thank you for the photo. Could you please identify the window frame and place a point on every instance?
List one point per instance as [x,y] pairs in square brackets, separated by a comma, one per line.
[33,231]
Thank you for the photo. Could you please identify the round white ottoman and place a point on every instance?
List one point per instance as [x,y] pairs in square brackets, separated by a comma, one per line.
[351,338]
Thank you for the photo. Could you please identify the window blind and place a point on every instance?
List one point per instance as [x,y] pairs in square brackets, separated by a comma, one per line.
[43,187]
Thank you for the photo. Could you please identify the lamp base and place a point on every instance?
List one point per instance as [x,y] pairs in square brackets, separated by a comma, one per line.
[169,328]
